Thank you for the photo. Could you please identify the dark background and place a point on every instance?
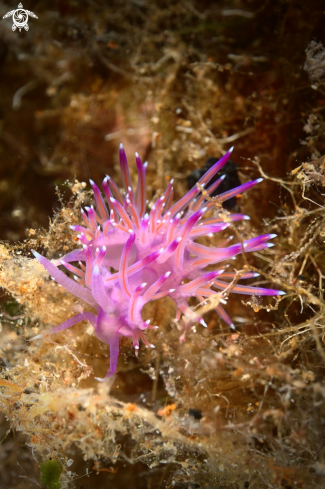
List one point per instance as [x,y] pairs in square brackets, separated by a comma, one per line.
[98,73]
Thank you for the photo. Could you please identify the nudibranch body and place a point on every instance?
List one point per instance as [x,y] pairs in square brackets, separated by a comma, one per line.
[130,257]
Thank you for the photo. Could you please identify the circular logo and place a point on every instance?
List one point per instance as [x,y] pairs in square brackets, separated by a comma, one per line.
[20,18]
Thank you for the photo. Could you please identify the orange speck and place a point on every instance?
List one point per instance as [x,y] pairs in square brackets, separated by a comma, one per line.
[167,410]
[131,407]
[238,372]
[233,337]
[35,439]
[112,45]
[103,469]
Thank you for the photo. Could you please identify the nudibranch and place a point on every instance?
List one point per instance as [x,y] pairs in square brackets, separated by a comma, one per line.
[131,255]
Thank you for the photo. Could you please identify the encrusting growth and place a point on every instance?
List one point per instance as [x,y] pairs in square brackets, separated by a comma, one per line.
[152,253]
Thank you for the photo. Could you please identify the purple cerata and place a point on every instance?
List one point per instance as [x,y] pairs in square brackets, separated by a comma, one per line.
[131,255]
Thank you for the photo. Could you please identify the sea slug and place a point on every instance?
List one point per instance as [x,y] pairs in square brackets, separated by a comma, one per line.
[131,255]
